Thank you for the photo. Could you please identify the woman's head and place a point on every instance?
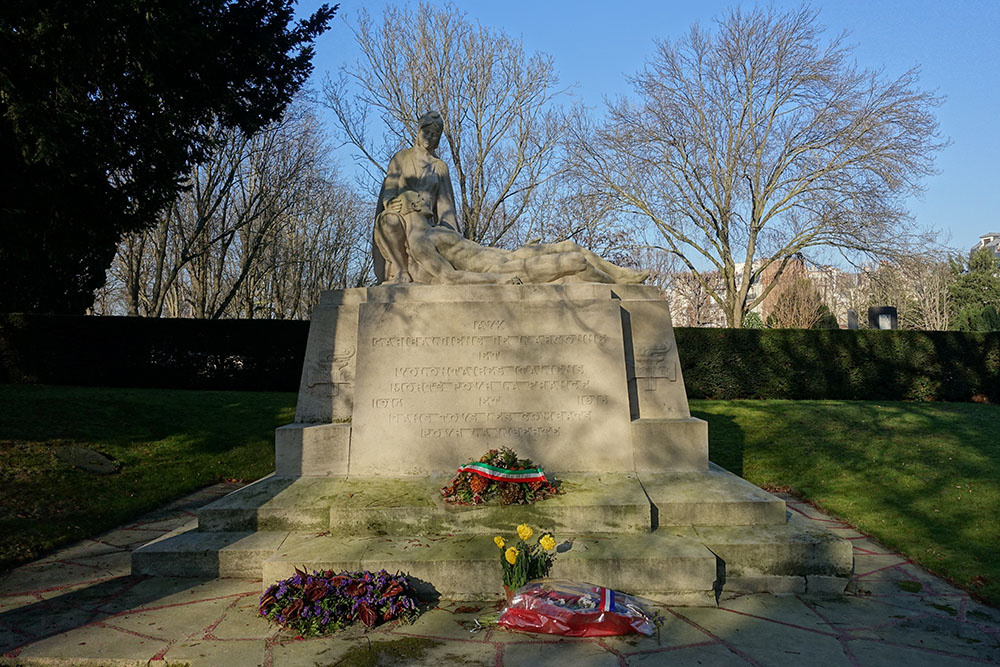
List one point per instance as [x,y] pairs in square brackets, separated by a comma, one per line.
[429,129]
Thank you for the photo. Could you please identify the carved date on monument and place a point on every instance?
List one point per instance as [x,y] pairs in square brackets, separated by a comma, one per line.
[545,382]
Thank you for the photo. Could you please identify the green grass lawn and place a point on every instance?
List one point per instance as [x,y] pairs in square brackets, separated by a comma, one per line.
[924,478]
[167,444]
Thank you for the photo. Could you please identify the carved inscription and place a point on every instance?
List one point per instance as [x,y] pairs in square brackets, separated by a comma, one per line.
[487,417]
[558,370]
[454,379]
[464,379]
[491,387]
[488,341]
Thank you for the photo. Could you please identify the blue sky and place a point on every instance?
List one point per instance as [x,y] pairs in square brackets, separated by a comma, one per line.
[956,43]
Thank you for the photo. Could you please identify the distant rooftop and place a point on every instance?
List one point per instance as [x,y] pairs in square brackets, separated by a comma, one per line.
[989,240]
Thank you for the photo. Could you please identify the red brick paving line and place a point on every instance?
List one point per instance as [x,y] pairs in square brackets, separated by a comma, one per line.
[785,623]
[883,569]
[845,634]
[927,649]
[61,561]
[208,631]
[622,662]
[718,640]
[842,634]
[499,646]
[107,544]
[871,553]
[931,590]
[103,622]
[269,650]
[37,591]
[527,641]
[792,506]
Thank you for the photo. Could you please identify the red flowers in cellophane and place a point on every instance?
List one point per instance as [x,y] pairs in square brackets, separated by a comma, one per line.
[323,601]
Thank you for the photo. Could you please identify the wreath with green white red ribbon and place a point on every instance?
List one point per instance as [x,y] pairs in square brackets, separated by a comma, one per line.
[498,476]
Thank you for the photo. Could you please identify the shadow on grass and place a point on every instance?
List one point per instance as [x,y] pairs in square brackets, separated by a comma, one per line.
[726,442]
[923,478]
[166,444]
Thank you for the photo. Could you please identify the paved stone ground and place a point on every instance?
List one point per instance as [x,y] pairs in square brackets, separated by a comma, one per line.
[79,606]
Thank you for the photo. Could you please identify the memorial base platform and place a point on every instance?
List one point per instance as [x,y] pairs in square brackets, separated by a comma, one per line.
[401,385]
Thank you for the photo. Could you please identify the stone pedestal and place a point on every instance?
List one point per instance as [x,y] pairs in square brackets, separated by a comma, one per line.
[579,378]
[401,385]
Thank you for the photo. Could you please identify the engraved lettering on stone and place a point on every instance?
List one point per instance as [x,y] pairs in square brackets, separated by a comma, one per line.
[487,371]
[480,341]
[486,417]
[491,432]
[487,386]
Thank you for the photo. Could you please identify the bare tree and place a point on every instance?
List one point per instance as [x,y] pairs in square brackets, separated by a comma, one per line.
[500,132]
[262,227]
[918,286]
[798,306]
[758,141]
[691,304]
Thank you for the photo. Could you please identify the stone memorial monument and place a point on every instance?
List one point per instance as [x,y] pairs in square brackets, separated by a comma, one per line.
[547,349]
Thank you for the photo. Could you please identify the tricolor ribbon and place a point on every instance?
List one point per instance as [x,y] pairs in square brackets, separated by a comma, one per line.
[607,598]
[503,474]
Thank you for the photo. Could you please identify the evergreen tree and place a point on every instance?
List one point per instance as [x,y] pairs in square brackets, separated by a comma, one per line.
[104,105]
[975,292]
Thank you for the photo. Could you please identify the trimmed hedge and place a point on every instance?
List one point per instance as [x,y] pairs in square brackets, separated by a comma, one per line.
[258,355]
[840,364]
[266,355]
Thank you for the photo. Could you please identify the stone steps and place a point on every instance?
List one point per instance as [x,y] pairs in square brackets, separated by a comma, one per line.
[591,503]
[687,565]
[188,552]
[679,564]
[468,567]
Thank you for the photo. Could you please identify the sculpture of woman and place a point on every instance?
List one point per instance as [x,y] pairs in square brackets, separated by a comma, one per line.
[415,170]
[416,237]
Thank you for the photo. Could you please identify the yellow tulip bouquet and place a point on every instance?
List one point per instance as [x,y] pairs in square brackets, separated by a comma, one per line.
[522,561]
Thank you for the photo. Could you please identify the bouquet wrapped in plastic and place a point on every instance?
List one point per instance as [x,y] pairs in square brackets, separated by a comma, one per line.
[573,609]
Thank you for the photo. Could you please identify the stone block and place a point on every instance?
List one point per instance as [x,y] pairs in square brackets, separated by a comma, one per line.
[468,567]
[273,503]
[817,584]
[191,553]
[312,551]
[670,445]
[775,584]
[604,503]
[326,390]
[639,564]
[713,498]
[653,369]
[440,382]
[312,450]
[798,548]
